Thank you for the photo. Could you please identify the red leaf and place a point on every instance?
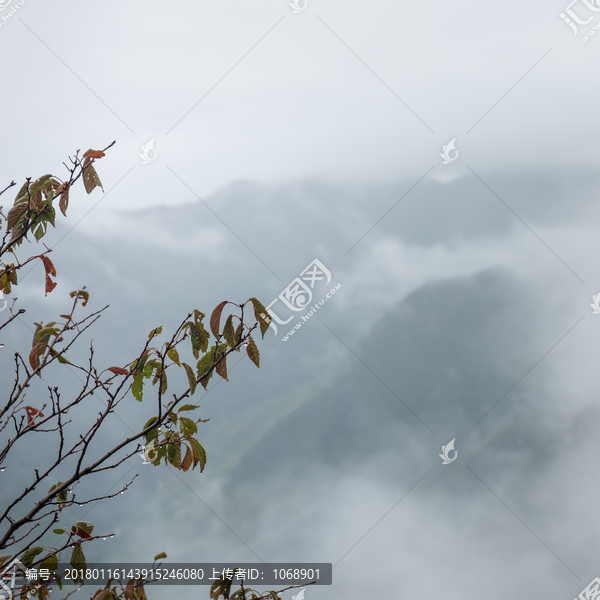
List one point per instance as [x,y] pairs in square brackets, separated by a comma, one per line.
[50,285]
[118,371]
[64,201]
[32,413]
[14,214]
[94,154]
[34,360]
[186,463]
[215,318]
[81,533]
[48,265]
[128,594]
[222,368]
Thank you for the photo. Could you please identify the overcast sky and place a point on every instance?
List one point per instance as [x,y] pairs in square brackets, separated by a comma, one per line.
[463,311]
[344,90]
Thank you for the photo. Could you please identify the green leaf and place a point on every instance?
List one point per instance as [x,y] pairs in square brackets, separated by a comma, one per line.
[22,193]
[4,558]
[150,367]
[188,407]
[30,555]
[228,331]
[78,558]
[238,334]
[174,356]
[259,311]
[39,232]
[51,215]
[59,531]
[252,351]
[199,454]
[150,422]
[140,592]
[163,382]
[85,526]
[61,359]
[151,435]
[40,182]
[191,378]
[160,555]
[137,389]
[160,453]
[215,318]
[43,336]
[205,363]
[199,338]
[83,294]
[50,561]
[155,332]
[174,454]
[221,587]
[187,426]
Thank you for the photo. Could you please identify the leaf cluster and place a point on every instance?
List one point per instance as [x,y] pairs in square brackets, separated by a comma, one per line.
[34,209]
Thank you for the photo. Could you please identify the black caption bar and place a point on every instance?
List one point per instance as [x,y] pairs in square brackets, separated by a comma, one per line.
[275,574]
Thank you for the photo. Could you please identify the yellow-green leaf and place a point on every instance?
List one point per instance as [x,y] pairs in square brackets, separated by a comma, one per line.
[78,558]
[228,331]
[155,332]
[252,351]
[174,356]
[191,377]
[199,454]
[30,555]
[260,312]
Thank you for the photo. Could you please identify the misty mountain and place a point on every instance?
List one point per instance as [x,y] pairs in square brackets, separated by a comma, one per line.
[445,309]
